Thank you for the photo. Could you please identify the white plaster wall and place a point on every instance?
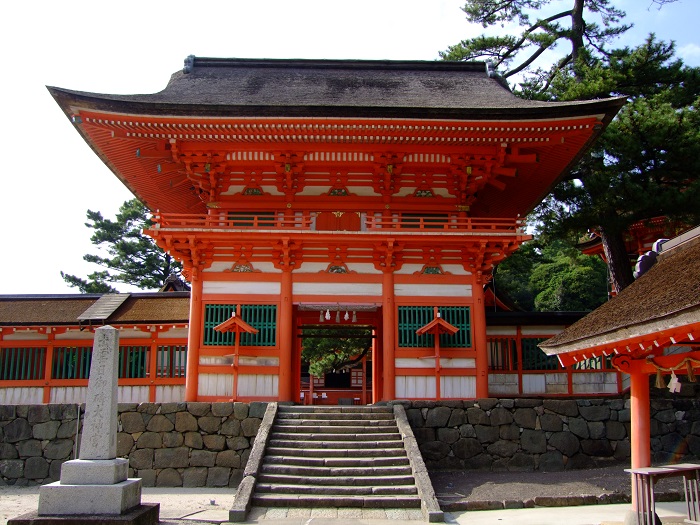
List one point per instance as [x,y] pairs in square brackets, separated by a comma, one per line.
[215,385]
[539,330]
[412,387]
[24,335]
[258,361]
[170,393]
[503,384]
[338,288]
[594,383]
[258,385]
[132,394]
[557,383]
[501,330]
[172,333]
[222,266]
[458,387]
[75,334]
[432,290]
[534,384]
[21,396]
[240,287]
[457,363]
[68,394]
[411,362]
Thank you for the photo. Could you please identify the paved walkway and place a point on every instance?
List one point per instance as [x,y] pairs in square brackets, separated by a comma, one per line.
[210,506]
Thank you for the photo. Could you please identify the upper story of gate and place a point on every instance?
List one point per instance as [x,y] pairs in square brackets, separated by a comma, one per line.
[390,139]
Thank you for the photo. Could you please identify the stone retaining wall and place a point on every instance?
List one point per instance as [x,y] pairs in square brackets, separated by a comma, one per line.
[547,434]
[208,444]
[168,444]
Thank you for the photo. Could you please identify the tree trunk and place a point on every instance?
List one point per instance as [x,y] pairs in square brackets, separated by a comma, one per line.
[618,260]
[577,29]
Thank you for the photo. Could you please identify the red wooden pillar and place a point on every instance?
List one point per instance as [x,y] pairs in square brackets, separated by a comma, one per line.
[48,367]
[153,366]
[479,340]
[388,336]
[194,338]
[286,339]
[640,433]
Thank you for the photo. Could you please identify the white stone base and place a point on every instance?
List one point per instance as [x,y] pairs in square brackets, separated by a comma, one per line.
[60,499]
[94,471]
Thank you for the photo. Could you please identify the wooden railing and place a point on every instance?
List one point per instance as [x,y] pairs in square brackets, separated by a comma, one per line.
[306,221]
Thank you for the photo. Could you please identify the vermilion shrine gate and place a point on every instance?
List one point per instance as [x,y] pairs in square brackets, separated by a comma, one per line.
[321,192]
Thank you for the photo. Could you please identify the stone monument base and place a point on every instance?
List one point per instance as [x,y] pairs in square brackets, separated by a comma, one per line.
[59,498]
[144,514]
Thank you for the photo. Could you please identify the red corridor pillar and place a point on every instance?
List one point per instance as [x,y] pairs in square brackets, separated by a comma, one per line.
[388,336]
[479,340]
[194,338]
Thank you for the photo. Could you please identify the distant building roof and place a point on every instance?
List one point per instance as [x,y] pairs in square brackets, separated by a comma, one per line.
[663,303]
[28,310]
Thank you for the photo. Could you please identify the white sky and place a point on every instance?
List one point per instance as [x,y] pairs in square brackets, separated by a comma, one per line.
[52,177]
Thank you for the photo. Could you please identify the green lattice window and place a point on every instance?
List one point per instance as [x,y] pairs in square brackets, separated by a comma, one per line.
[534,358]
[260,316]
[71,362]
[22,363]
[411,318]
[133,361]
[171,361]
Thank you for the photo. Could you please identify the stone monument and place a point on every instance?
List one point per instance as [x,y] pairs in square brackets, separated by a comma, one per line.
[97,484]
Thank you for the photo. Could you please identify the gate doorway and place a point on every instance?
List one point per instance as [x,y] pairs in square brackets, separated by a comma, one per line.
[337,354]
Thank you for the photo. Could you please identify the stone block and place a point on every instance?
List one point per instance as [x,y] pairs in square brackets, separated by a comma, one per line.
[7,412]
[551,423]
[614,430]
[148,477]
[94,471]
[595,413]
[218,476]
[478,462]
[579,427]
[55,469]
[171,408]
[457,417]
[8,451]
[209,424]
[171,457]
[127,407]
[169,477]
[466,448]
[257,409]
[467,431]
[194,440]
[221,409]
[565,407]
[504,449]
[124,443]
[160,423]
[424,434]
[12,468]
[237,443]
[149,440]
[59,449]
[228,458]
[202,458]
[68,429]
[230,427]
[533,441]
[214,442]
[185,422]
[477,416]
[524,402]
[141,459]
[623,450]
[194,477]
[250,426]
[132,422]
[565,442]
[438,417]
[597,448]
[148,408]
[198,409]
[501,416]
[596,430]
[172,439]
[46,431]
[525,417]
[36,468]
[521,463]
[29,448]
[486,434]
[60,499]
[240,410]
[17,430]
[665,416]
[551,461]
[448,435]
[38,414]
[434,450]
[509,432]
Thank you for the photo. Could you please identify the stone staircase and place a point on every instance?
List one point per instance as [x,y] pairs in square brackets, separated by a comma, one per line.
[340,457]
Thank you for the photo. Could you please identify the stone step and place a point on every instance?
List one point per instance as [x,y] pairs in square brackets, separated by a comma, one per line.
[321,501]
[319,436]
[332,429]
[344,422]
[332,409]
[301,470]
[344,490]
[341,415]
[297,442]
[321,481]
[386,461]
[307,452]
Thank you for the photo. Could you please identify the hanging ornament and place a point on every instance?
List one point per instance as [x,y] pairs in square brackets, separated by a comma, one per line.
[320,316]
[337,316]
[660,383]
[328,315]
[354,316]
[674,385]
[691,373]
